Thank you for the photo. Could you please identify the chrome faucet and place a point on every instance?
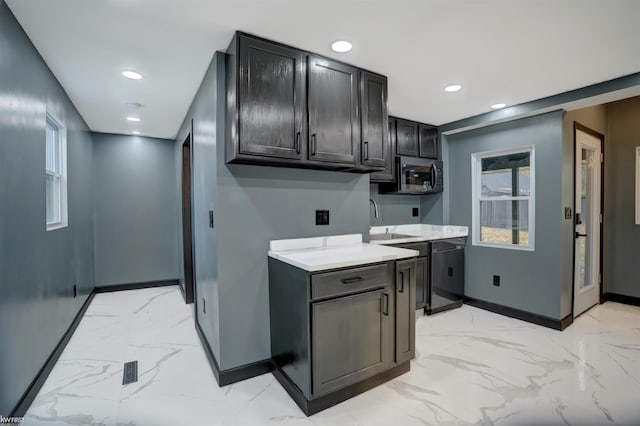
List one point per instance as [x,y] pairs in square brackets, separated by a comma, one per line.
[375,208]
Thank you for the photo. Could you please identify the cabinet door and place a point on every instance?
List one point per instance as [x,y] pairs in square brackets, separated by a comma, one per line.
[389,172]
[350,339]
[375,135]
[334,125]
[422,277]
[272,99]
[428,141]
[405,295]
[406,138]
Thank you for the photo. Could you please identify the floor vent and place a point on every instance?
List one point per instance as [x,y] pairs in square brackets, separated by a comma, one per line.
[130,374]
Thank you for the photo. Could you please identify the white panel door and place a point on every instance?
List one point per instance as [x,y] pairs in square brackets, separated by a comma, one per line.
[587,220]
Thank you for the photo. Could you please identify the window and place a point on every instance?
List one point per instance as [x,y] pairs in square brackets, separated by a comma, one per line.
[56,174]
[503,194]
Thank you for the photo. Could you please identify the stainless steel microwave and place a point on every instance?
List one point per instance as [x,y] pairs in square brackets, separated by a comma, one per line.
[415,176]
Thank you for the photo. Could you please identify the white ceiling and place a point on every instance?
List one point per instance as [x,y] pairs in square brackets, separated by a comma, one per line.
[508,51]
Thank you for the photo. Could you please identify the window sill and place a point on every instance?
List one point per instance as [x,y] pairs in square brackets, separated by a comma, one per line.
[55,226]
[504,246]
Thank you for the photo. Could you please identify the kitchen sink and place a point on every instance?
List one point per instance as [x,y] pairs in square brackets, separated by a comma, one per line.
[388,236]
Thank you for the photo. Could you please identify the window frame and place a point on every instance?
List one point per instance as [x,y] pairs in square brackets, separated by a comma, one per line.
[59,176]
[476,196]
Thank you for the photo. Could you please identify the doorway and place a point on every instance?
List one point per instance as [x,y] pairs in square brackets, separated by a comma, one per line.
[587,285]
[187,229]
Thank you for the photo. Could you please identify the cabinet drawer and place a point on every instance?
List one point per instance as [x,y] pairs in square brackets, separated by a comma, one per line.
[349,281]
[422,247]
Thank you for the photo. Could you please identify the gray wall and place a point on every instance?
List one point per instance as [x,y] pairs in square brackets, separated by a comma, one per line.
[393,209]
[206,117]
[622,236]
[432,207]
[530,281]
[252,205]
[37,268]
[257,204]
[135,209]
[596,119]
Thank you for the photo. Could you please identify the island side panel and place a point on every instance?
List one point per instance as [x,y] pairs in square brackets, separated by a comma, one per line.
[289,316]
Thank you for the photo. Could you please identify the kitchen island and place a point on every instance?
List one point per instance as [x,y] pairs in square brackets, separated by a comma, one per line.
[342,316]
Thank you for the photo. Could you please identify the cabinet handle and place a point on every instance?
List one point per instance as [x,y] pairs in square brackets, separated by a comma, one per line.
[298,142]
[313,144]
[351,280]
[401,287]
[366,150]
[385,304]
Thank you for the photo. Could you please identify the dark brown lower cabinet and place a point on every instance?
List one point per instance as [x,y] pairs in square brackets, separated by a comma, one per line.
[405,315]
[422,281]
[350,339]
[423,274]
[338,333]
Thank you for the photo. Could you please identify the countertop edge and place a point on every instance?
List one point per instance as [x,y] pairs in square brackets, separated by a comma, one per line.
[344,264]
[418,239]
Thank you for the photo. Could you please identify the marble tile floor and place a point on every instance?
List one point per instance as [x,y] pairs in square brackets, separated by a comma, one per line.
[471,367]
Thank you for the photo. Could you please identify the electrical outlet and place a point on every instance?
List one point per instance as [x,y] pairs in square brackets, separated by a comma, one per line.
[496,280]
[415,212]
[322,217]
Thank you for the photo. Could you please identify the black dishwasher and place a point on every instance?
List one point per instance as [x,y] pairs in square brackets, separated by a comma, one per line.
[446,287]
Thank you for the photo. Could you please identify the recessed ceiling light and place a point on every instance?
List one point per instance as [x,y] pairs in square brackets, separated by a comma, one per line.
[498,106]
[134,119]
[132,75]
[341,46]
[135,132]
[453,88]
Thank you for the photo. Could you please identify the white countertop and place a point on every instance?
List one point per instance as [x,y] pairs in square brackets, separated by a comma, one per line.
[340,251]
[419,232]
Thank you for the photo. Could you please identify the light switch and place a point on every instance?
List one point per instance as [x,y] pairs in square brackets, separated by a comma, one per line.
[567,213]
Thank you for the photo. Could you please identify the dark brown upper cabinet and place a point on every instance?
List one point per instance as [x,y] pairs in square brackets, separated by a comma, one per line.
[287,107]
[271,101]
[334,131]
[406,137]
[389,172]
[375,133]
[428,136]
